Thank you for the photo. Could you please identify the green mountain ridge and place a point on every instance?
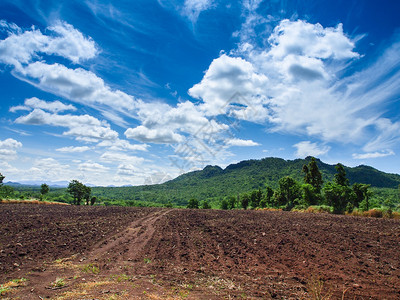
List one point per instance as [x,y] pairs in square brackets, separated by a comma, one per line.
[213,183]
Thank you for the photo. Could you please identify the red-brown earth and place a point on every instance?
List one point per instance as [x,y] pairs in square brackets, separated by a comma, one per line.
[69,252]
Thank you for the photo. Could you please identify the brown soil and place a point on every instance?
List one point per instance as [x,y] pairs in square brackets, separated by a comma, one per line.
[67,252]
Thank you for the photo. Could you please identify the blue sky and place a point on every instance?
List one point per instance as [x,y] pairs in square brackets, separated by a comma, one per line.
[134,92]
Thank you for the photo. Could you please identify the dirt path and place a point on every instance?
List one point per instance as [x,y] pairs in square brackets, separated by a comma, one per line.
[128,245]
[102,273]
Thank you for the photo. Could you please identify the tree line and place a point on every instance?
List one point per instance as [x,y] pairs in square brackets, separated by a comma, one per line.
[76,189]
[290,194]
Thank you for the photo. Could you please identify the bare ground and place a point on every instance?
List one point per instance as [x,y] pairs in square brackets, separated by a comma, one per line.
[63,252]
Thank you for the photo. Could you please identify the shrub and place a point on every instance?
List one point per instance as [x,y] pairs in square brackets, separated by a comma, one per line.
[193,203]
[320,209]
[374,213]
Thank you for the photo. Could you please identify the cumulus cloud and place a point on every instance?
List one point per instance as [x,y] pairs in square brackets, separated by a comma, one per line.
[8,149]
[92,167]
[158,136]
[230,80]
[162,123]
[72,149]
[112,156]
[242,143]
[34,102]
[301,38]
[47,169]
[306,148]
[82,127]
[373,154]
[20,47]
[293,84]
[78,85]
[128,170]
[122,145]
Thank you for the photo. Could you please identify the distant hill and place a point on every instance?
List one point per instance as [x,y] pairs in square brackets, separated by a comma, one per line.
[213,182]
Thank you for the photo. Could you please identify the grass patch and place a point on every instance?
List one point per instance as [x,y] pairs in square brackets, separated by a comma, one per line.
[59,283]
[316,289]
[91,268]
[121,277]
[8,286]
[147,260]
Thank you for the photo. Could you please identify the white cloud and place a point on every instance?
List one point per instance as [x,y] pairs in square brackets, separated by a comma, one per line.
[128,170]
[231,80]
[83,127]
[72,149]
[122,145]
[193,8]
[70,43]
[388,135]
[373,154]
[48,169]
[111,157]
[158,136]
[293,84]
[34,102]
[242,143]
[20,47]
[306,148]
[8,149]
[311,40]
[77,85]
[92,167]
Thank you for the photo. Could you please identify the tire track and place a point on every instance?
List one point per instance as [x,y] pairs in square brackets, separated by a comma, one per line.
[130,244]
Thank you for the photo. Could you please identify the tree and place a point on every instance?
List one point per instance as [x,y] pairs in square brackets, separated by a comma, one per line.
[267,198]
[340,176]
[2,178]
[289,191]
[231,202]
[310,195]
[255,198]
[6,191]
[313,176]
[338,196]
[205,205]
[77,191]
[245,201]
[87,191]
[224,204]
[93,200]
[44,189]
[193,203]
[361,193]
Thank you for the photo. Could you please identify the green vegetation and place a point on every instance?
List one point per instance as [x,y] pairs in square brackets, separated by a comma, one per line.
[91,268]
[193,203]
[265,183]
[59,282]
[79,191]
[44,189]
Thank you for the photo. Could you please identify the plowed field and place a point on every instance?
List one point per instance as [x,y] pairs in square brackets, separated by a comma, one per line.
[66,252]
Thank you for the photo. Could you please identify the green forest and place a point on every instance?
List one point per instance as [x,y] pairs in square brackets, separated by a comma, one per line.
[265,183]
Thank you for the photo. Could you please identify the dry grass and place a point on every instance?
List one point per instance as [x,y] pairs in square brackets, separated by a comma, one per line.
[83,290]
[270,209]
[7,287]
[33,201]
[376,213]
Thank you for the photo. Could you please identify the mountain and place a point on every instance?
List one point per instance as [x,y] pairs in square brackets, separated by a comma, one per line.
[213,182]
[35,184]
